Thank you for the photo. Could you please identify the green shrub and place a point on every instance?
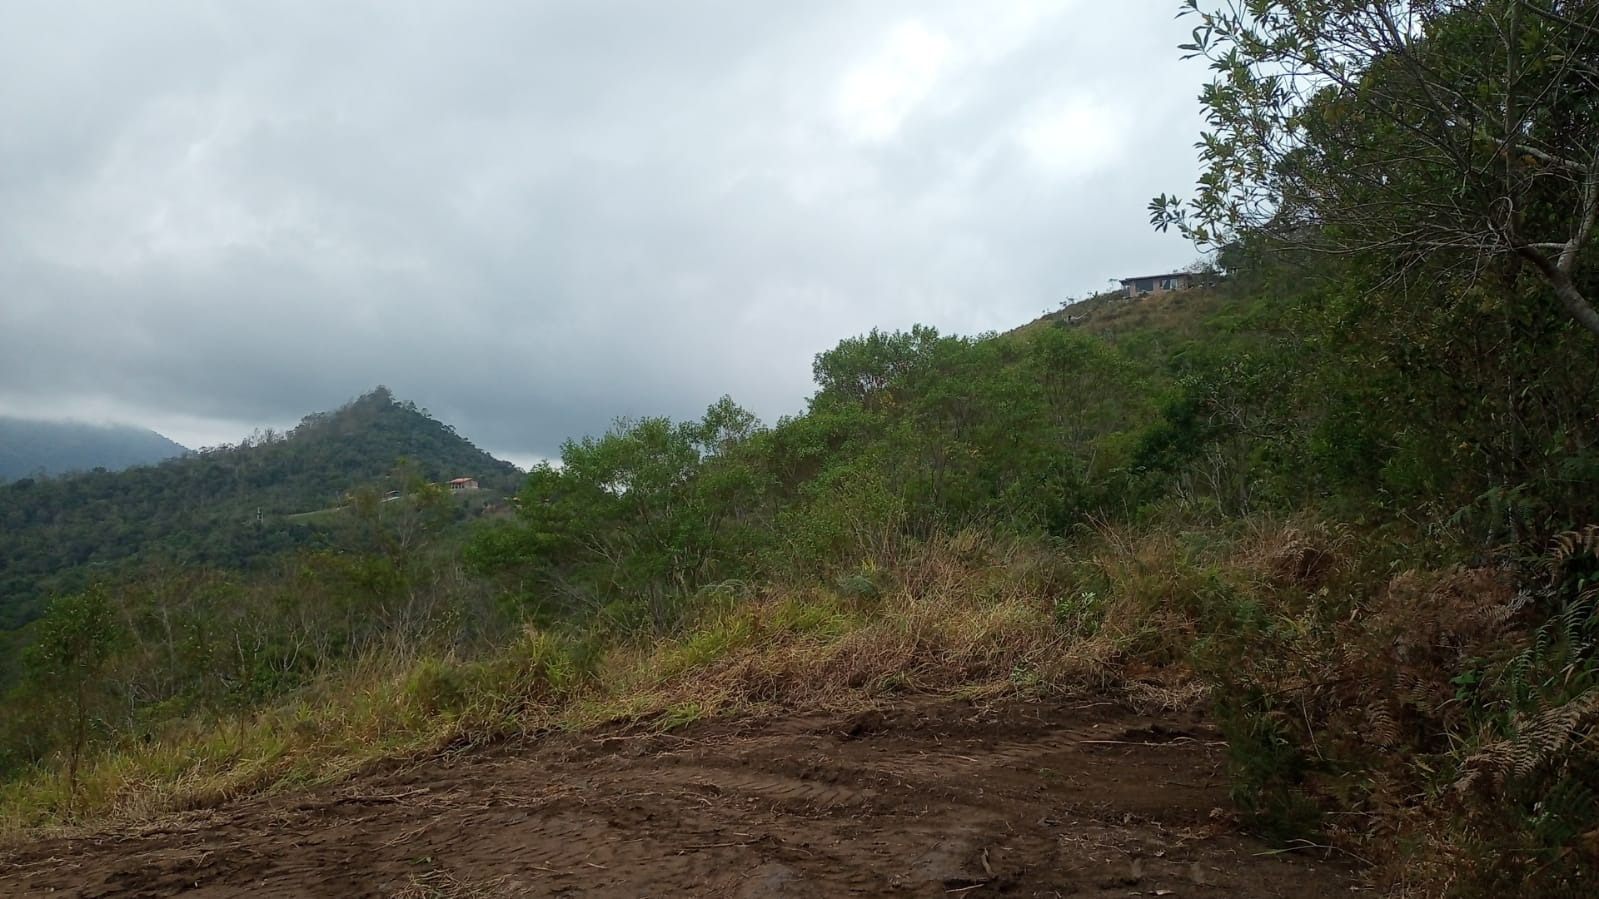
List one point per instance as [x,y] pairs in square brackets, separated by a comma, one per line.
[435,686]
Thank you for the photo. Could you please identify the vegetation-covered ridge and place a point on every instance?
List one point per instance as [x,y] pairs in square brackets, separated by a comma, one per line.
[225,506]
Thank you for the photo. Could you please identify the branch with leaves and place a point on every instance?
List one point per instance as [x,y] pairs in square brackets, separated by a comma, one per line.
[1447,134]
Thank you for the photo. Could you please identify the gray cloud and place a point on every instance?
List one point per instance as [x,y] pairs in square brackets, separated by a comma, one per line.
[534,217]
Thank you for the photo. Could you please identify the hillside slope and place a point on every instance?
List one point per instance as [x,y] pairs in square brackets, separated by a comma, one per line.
[1218,494]
[226,506]
[28,447]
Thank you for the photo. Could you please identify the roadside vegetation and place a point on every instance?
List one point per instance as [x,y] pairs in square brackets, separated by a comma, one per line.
[1347,501]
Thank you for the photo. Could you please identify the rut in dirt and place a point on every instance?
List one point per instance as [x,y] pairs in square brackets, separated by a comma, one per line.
[941,798]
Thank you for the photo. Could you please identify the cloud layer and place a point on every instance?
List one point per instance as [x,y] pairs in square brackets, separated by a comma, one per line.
[534,217]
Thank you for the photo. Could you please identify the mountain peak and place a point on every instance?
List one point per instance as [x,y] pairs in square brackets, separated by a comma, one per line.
[229,505]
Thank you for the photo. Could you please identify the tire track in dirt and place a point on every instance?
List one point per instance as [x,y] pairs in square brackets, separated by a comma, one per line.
[929,798]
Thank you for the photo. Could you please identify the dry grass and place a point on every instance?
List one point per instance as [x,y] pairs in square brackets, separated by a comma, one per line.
[961,613]
[1358,663]
[1349,688]
[443,885]
[1180,312]
[958,614]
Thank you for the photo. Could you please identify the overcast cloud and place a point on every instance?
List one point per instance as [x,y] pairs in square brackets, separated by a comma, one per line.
[534,217]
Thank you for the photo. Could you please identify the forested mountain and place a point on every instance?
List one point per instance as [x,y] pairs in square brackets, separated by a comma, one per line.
[225,506]
[29,448]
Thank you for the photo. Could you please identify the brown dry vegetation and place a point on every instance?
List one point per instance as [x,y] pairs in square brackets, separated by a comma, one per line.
[1175,314]
[961,615]
[1136,622]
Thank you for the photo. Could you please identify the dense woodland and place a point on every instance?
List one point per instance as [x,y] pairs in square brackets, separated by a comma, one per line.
[226,507]
[1353,495]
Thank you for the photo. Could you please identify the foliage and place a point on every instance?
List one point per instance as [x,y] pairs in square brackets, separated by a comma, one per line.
[800,650]
[66,661]
[224,506]
[633,521]
[1452,137]
[909,434]
[1324,498]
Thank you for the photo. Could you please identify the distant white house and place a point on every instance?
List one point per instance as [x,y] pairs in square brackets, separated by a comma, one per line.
[463,484]
[1157,283]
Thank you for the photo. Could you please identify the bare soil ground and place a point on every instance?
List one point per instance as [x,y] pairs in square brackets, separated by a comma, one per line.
[931,798]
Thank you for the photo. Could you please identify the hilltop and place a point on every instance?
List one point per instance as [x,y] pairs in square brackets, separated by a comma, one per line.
[1168,314]
[228,506]
[31,448]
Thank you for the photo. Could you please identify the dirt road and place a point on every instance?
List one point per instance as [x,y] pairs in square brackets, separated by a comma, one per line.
[938,798]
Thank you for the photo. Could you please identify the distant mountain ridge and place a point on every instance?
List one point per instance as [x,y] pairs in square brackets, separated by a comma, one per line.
[29,447]
[226,506]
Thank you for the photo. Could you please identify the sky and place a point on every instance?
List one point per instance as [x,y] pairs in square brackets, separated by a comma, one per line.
[532,218]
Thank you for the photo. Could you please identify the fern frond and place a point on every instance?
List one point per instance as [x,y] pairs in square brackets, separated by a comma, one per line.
[1383,729]
[1574,544]
[1539,739]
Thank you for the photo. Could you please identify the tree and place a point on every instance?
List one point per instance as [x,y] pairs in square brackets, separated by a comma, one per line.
[635,520]
[862,369]
[76,639]
[1451,134]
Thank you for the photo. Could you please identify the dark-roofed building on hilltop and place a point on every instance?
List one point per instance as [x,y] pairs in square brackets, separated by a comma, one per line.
[1157,283]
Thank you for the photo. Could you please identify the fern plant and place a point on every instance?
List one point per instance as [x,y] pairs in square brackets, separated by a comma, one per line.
[1529,783]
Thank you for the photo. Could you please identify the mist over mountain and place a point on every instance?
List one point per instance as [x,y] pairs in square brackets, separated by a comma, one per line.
[29,448]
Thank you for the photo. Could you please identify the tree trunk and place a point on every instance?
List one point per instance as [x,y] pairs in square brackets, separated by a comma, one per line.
[1575,302]
[80,728]
[1576,305]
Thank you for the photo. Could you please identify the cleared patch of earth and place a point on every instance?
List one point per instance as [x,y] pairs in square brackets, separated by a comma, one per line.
[934,798]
